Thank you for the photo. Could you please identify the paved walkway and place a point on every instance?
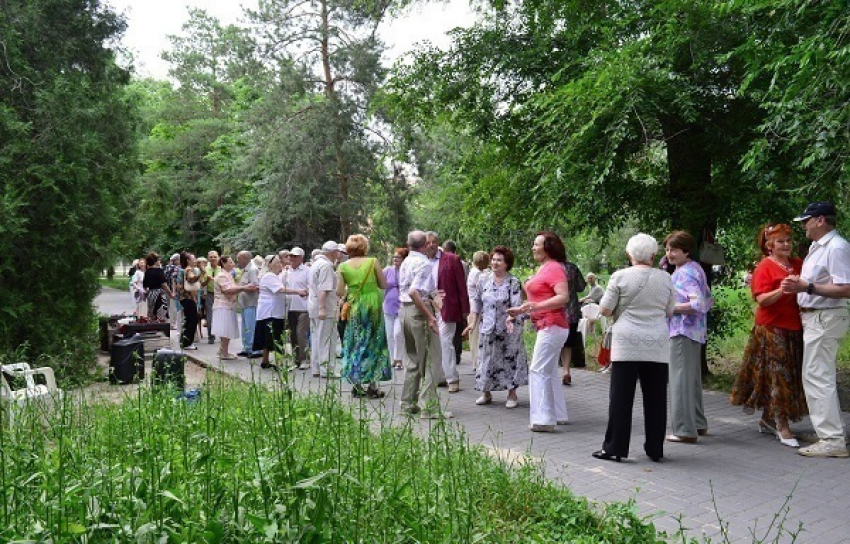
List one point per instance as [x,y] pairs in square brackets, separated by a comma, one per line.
[735,473]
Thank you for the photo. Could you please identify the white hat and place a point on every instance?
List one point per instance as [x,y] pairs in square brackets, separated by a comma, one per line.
[341,247]
[297,251]
[175,257]
[329,246]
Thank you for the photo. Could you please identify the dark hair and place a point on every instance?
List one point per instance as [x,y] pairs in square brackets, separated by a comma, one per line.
[450,246]
[553,246]
[224,259]
[679,239]
[151,258]
[506,253]
[403,251]
[184,259]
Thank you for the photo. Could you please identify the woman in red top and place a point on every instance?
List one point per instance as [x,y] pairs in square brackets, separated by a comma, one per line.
[771,372]
[547,296]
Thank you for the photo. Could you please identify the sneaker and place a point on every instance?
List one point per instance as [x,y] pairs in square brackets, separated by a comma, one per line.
[454,387]
[192,347]
[824,449]
[211,340]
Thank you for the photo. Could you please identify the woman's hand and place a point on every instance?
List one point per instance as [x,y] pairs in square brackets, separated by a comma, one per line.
[509,324]
[524,308]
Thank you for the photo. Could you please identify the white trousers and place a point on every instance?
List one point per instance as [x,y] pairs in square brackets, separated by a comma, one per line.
[447,350]
[322,346]
[395,337]
[822,333]
[545,394]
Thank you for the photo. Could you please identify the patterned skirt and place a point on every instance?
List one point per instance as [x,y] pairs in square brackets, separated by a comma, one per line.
[365,357]
[771,375]
[502,362]
[157,305]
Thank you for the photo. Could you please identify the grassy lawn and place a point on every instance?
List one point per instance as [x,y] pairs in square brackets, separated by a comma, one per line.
[117,282]
[244,464]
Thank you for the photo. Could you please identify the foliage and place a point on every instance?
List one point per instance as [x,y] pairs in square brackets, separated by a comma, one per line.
[67,157]
[249,465]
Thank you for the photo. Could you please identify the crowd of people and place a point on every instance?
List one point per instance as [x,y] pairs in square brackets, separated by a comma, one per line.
[413,314]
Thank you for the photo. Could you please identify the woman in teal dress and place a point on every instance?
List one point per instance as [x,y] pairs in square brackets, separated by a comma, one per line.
[365,357]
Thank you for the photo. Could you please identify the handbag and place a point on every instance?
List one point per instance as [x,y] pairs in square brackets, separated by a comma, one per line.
[191,286]
[713,254]
[345,312]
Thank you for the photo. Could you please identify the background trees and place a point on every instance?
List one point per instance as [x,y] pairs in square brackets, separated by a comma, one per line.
[67,157]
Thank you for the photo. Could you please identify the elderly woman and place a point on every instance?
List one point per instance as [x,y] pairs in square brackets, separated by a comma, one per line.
[771,372]
[574,344]
[547,295]
[480,263]
[502,365]
[188,286]
[225,323]
[271,311]
[365,359]
[641,299]
[687,329]
[140,298]
[392,324]
[156,288]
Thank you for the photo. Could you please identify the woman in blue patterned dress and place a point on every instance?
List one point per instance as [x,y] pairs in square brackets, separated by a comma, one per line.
[365,358]
[502,361]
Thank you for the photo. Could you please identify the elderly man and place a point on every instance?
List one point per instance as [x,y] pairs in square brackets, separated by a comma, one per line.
[416,286]
[249,297]
[451,302]
[322,306]
[208,283]
[297,317]
[822,289]
[596,291]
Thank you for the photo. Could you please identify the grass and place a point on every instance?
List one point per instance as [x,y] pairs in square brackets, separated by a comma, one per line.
[245,464]
[121,283]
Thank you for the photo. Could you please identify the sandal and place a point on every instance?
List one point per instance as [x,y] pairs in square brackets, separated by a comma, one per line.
[567,379]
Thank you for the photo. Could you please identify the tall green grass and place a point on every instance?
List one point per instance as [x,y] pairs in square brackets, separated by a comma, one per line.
[245,464]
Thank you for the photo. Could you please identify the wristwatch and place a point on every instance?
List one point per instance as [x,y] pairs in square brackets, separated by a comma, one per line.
[811,288]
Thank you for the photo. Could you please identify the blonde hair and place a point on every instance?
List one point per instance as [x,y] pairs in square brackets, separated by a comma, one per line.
[357,245]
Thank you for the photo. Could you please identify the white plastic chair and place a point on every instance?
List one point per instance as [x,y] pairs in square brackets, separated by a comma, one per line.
[590,315]
[46,394]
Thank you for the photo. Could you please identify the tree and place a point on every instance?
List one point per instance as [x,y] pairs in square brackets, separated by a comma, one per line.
[67,157]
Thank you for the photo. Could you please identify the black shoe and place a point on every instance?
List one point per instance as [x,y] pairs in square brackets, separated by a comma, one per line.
[375,393]
[655,458]
[605,456]
[268,365]
[211,340]
[358,392]
[443,383]
[244,353]
[254,355]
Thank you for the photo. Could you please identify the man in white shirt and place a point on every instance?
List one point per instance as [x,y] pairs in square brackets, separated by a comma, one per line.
[249,278]
[822,289]
[423,363]
[322,306]
[297,317]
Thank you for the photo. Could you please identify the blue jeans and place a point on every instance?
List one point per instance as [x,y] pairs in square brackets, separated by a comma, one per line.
[249,320]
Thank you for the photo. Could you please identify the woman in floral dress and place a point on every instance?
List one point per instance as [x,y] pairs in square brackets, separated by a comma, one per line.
[365,358]
[502,362]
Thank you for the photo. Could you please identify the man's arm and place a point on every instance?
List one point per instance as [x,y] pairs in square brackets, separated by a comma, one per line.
[419,303]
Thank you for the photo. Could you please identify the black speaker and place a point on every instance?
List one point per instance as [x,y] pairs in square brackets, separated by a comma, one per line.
[169,369]
[127,361]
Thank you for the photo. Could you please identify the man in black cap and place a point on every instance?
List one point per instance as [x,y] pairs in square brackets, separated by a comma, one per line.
[822,289]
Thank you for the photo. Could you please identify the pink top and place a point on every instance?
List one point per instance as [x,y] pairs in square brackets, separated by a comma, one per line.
[222,299]
[540,287]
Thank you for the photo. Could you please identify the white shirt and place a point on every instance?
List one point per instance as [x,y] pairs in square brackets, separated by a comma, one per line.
[250,275]
[415,266]
[322,278]
[272,301]
[828,261]
[297,278]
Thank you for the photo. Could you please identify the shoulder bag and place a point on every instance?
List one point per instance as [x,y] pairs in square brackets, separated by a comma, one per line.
[345,312]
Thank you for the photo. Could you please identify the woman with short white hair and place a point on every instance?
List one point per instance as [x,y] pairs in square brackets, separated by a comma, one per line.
[640,298]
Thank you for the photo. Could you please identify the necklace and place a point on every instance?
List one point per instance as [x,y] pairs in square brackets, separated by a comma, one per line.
[788,268]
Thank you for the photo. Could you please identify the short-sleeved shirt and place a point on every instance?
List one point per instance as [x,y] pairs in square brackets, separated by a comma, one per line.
[322,278]
[540,287]
[828,261]
[222,299]
[692,287]
[154,278]
[271,302]
[784,313]
[391,292]
[250,275]
[415,271]
[297,278]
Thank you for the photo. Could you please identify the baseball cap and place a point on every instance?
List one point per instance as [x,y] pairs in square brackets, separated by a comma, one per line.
[330,245]
[816,209]
[297,251]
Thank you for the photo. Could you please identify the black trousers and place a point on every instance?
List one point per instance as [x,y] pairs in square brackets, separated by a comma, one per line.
[298,324]
[190,322]
[653,385]
[457,341]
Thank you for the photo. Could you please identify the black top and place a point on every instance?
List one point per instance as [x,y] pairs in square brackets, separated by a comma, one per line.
[154,278]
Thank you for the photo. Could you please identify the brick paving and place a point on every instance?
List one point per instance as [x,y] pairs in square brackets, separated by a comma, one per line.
[734,480]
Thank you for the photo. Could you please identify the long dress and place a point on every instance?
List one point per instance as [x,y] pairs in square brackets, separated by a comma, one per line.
[365,358]
[502,360]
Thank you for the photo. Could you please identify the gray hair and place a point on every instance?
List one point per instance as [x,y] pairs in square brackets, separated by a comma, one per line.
[416,239]
[432,234]
[642,247]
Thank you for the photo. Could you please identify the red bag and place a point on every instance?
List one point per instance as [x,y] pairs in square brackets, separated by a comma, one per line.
[604,357]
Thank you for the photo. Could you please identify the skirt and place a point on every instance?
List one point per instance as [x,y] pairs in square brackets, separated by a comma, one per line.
[225,323]
[268,334]
[771,375]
